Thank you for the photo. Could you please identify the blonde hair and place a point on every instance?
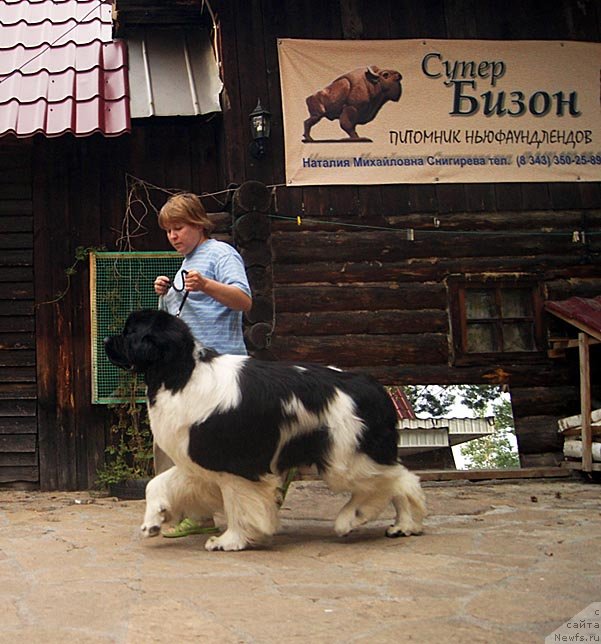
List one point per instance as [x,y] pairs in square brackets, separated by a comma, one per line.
[185,208]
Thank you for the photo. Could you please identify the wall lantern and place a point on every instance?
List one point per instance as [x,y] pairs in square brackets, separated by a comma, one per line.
[260,128]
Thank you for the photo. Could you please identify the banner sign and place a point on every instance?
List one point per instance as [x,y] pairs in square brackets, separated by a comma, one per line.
[448,111]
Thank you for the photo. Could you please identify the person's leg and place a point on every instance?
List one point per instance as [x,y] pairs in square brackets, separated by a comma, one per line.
[186,526]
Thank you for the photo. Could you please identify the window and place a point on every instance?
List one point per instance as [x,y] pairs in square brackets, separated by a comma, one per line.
[494,316]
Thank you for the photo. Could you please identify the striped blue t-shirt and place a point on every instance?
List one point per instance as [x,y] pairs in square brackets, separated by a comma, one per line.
[214,324]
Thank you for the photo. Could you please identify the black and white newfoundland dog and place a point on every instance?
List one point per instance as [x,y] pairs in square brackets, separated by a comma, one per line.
[233,425]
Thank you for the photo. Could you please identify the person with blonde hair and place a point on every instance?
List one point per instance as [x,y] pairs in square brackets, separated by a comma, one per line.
[209,292]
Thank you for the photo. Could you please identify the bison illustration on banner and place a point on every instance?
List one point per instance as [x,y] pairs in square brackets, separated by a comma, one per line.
[355,98]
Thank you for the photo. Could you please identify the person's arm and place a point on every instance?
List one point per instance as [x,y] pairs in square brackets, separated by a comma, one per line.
[227,294]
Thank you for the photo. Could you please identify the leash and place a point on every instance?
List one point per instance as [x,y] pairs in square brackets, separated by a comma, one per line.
[179,290]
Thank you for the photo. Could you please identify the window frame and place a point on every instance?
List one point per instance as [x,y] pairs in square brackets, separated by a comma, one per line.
[457,287]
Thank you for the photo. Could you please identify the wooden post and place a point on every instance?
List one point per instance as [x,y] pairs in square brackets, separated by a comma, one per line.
[252,236]
[585,402]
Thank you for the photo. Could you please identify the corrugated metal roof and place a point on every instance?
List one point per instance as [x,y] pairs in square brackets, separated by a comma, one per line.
[60,70]
[172,72]
[458,430]
[583,313]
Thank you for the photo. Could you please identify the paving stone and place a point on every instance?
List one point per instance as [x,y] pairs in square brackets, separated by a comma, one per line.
[492,566]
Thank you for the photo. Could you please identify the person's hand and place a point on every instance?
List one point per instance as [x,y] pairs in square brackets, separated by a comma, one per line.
[194,281]
[161,285]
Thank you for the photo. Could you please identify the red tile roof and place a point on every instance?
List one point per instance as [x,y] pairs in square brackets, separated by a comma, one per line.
[583,313]
[60,69]
[403,407]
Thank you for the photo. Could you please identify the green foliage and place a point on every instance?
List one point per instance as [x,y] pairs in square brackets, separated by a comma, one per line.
[81,254]
[129,454]
[431,400]
[494,451]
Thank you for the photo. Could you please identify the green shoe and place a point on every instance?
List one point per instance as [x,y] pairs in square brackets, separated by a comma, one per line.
[187,527]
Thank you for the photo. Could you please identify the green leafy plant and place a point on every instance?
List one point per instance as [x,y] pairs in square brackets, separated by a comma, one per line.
[81,255]
[129,453]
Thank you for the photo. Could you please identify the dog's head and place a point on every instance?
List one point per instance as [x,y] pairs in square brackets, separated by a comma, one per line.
[149,338]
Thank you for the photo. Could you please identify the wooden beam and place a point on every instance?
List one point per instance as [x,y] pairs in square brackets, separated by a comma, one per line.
[577,465]
[585,402]
[483,475]
[307,474]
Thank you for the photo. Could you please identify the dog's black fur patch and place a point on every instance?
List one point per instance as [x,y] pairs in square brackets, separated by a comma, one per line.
[264,425]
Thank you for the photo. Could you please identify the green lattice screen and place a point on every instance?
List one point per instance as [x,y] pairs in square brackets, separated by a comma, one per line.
[119,284]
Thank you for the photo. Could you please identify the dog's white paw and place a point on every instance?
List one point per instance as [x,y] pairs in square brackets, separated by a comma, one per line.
[345,523]
[226,542]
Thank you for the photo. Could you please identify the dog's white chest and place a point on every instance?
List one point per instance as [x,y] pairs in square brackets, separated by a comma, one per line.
[211,389]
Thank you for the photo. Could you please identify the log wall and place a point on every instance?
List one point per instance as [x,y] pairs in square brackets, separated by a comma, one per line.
[363,297]
[370,297]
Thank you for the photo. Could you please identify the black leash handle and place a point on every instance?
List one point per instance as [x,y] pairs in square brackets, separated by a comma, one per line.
[179,290]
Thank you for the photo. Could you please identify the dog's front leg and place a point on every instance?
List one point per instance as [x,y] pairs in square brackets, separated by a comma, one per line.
[251,512]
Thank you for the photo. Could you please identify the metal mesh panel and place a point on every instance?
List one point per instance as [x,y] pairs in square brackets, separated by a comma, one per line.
[119,284]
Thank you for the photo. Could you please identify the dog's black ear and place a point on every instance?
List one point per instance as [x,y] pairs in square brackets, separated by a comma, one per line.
[145,352]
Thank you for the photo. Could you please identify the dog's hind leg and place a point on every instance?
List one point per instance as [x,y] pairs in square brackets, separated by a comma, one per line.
[251,512]
[410,505]
[373,486]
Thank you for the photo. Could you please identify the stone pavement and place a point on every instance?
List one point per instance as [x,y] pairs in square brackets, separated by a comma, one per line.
[505,562]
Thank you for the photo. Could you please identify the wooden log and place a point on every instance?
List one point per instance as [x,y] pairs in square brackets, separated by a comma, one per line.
[443,374]
[358,322]
[222,221]
[541,459]
[550,220]
[393,246]
[251,195]
[574,449]
[549,400]
[258,335]
[261,311]
[256,253]
[357,350]
[250,227]
[360,297]
[575,421]
[565,221]
[536,434]
[260,280]
[541,472]
[422,269]
[574,287]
